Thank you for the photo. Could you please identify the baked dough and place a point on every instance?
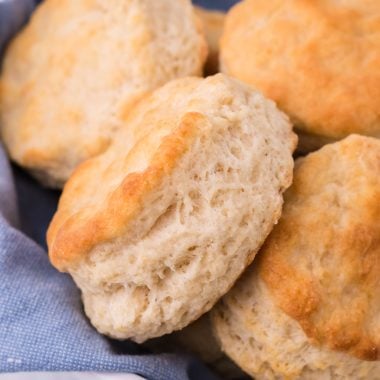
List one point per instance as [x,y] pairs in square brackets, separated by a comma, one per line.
[318,59]
[309,307]
[155,230]
[198,339]
[79,65]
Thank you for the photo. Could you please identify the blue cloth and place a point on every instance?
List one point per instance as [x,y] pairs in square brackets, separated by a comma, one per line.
[216,4]
[13,13]
[42,324]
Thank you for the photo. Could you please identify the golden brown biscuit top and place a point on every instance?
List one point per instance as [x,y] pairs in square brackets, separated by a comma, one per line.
[322,262]
[106,194]
[318,59]
[142,155]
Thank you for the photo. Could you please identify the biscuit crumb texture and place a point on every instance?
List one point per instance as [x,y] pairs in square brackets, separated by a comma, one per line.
[155,232]
[309,309]
[71,73]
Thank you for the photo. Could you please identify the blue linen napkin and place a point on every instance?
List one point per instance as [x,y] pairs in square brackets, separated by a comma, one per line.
[12,15]
[42,324]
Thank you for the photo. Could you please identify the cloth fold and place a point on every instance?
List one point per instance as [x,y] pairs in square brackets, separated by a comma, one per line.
[8,208]
[13,13]
[42,324]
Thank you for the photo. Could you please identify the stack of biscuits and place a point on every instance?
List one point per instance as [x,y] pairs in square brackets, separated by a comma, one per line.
[183,213]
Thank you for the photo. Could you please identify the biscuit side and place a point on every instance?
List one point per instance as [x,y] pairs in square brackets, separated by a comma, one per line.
[270,345]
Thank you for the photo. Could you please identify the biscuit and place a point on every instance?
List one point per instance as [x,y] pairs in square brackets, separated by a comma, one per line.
[198,339]
[213,22]
[159,227]
[310,307]
[78,65]
[319,60]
